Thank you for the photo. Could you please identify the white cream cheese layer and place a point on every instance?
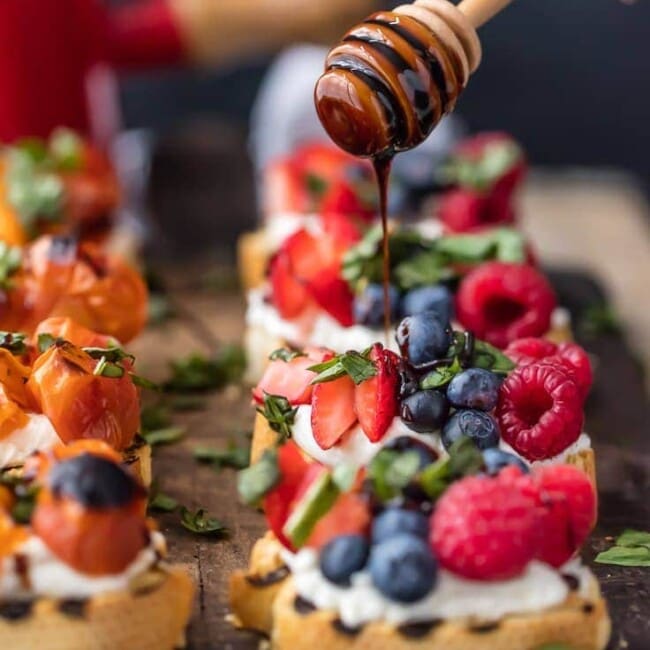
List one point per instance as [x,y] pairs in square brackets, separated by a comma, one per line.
[581,444]
[47,575]
[38,433]
[538,588]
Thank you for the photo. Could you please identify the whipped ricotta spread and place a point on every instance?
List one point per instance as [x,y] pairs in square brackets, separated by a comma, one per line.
[280,226]
[581,444]
[537,588]
[38,433]
[314,327]
[47,575]
[354,447]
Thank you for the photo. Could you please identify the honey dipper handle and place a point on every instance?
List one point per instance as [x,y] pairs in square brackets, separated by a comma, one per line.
[480,11]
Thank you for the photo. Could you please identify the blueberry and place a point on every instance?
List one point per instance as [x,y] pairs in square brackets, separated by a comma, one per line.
[342,557]
[432,298]
[496,459]
[423,338]
[403,568]
[409,381]
[477,425]
[94,482]
[369,305]
[407,443]
[474,388]
[394,521]
[424,411]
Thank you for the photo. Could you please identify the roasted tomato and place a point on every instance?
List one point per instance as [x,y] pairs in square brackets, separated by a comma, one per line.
[90,514]
[81,404]
[92,191]
[59,277]
[62,327]
[13,379]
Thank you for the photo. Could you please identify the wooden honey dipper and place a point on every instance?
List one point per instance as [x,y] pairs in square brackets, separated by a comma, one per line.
[393,77]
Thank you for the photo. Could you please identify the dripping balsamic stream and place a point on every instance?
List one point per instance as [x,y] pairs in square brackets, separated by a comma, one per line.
[382,165]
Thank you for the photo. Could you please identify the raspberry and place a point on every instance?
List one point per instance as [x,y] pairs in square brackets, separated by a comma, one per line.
[483,529]
[570,355]
[540,410]
[502,302]
[568,507]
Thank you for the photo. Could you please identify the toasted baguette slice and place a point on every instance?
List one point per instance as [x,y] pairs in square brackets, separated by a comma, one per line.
[152,615]
[579,622]
[252,257]
[265,438]
[253,592]
[138,457]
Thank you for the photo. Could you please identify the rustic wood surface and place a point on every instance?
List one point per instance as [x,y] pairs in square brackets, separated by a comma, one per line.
[617,419]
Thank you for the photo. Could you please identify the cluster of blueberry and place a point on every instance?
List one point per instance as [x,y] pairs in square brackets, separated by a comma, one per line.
[368,305]
[462,404]
[398,556]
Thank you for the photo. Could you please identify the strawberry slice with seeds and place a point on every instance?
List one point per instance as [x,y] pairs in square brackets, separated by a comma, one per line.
[333,294]
[350,515]
[332,411]
[291,379]
[288,295]
[375,399]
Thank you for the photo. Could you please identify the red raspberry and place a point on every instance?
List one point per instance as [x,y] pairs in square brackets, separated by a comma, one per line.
[568,506]
[539,410]
[483,529]
[464,210]
[502,302]
[570,355]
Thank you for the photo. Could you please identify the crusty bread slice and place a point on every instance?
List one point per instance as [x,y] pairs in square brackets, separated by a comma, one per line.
[265,438]
[152,615]
[253,592]
[252,257]
[138,457]
[581,622]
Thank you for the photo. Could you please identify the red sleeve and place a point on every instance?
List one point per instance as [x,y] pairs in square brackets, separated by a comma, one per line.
[145,35]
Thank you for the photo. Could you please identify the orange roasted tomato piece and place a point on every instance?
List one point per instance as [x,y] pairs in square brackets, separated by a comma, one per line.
[81,404]
[59,277]
[90,514]
[13,380]
[62,327]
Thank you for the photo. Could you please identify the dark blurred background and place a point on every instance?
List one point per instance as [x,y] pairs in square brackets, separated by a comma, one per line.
[569,78]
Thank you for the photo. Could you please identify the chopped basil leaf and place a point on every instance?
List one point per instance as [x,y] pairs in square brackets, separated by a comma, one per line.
[484,355]
[165,436]
[316,185]
[278,413]
[256,481]
[143,382]
[162,502]
[632,549]
[198,373]
[233,456]
[354,364]
[108,369]
[155,416]
[440,377]
[46,341]
[344,476]
[200,523]
[112,354]
[391,471]
[10,261]
[14,342]
[284,354]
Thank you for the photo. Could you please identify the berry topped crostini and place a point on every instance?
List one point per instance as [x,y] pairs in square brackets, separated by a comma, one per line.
[443,384]
[64,184]
[81,566]
[318,184]
[419,552]
[325,288]
[58,276]
[66,384]
[483,173]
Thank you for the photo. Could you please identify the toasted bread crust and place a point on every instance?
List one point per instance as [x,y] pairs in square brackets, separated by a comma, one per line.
[579,622]
[138,457]
[252,257]
[152,616]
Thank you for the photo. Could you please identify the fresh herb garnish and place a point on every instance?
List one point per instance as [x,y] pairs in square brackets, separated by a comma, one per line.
[201,523]
[14,342]
[234,456]
[316,185]
[354,364]
[484,355]
[10,261]
[441,376]
[105,368]
[164,436]
[46,341]
[199,373]
[391,471]
[258,479]
[278,413]
[155,416]
[284,354]
[162,502]
[632,548]
[599,320]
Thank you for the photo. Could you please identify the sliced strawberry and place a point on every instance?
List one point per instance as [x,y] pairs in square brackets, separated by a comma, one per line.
[333,294]
[293,467]
[342,198]
[332,411]
[350,515]
[375,399]
[306,254]
[288,295]
[344,231]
